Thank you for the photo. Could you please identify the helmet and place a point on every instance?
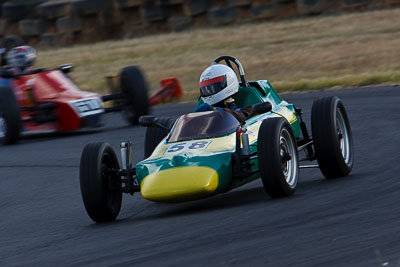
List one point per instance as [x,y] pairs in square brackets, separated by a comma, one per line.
[218,82]
[21,57]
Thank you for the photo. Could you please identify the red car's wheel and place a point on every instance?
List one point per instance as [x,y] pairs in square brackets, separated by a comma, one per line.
[154,135]
[10,118]
[134,85]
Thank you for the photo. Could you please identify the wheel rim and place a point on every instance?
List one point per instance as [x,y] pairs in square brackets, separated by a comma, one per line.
[2,127]
[288,158]
[343,136]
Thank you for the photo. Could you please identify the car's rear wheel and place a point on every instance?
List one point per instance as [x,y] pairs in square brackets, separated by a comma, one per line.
[134,85]
[154,135]
[332,137]
[10,117]
[100,186]
[278,157]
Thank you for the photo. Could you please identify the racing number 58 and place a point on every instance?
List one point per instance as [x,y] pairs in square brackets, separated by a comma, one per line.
[187,146]
[175,148]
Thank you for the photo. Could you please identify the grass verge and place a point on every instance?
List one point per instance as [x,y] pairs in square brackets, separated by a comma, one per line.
[304,54]
[343,81]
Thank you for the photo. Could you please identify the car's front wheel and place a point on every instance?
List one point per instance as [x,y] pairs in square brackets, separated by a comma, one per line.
[100,186]
[332,137]
[278,157]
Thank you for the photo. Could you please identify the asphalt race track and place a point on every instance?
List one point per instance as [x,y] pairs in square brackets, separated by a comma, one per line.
[353,221]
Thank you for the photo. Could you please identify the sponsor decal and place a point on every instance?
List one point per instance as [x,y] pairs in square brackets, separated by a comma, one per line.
[88,106]
[30,82]
[251,133]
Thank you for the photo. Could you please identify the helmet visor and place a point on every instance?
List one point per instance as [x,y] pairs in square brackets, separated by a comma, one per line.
[212,86]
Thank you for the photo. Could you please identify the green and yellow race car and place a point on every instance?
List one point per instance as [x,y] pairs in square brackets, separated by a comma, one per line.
[202,154]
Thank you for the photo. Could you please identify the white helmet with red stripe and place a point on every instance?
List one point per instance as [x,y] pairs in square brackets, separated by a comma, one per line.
[217,83]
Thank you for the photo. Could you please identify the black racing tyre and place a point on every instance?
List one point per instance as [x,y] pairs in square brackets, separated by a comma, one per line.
[127,3]
[87,7]
[239,3]
[152,12]
[195,7]
[154,135]
[14,11]
[180,23]
[53,10]
[11,41]
[333,141]
[278,157]
[134,85]
[311,7]
[32,27]
[69,24]
[266,10]
[222,15]
[100,188]
[10,117]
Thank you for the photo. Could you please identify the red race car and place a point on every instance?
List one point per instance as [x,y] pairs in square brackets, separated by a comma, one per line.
[47,99]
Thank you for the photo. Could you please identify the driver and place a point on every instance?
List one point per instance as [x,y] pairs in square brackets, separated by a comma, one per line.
[218,83]
[20,59]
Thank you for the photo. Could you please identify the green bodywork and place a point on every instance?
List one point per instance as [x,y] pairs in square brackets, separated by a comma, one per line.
[262,91]
[221,161]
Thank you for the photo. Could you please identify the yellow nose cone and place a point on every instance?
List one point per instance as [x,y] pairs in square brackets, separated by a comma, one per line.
[179,184]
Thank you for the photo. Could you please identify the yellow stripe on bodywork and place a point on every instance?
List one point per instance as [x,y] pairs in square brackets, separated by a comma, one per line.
[287,114]
[179,184]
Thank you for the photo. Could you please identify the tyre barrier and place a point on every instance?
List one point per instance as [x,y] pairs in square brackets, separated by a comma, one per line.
[49,39]
[14,11]
[151,12]
[88,7]
[128,3]
[194,7]
[11,41]
[53,10]
[134,29]
[222,15]
[180,24]
[311,7]
[353,3]
[239,3]
[170,2]
[32,27]
[115,17]
[69,24]
[265,11]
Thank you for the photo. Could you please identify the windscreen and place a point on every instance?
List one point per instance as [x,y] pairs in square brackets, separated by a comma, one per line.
[203,125]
